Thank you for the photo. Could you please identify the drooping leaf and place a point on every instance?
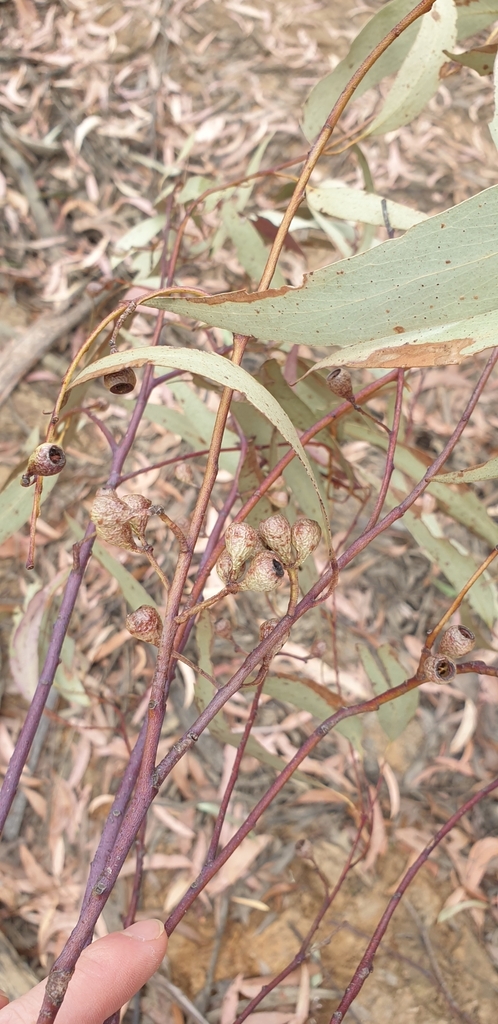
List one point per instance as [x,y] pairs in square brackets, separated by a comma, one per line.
[457,565]
[215,367]
[326,92]
[493,124]
[472,17]
[462,505]
[485,471]
[339,200]
[141,234]
[25,640]
[480,58]
[308,695]
[394,716]
[426,298]
[194,425]
[252,253]
[418,77]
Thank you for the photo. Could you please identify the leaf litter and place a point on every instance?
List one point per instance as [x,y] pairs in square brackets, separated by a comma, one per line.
[108,108]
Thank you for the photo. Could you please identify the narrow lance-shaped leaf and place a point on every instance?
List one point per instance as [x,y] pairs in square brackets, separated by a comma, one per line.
[472,17]
[338,200]
[221,370]
[418,78]
[427,298]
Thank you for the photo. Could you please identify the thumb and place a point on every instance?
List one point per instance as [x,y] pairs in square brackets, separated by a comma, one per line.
[107,974]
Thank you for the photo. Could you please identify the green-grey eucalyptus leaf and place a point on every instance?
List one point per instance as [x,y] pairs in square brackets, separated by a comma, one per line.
[418,78]
[338,200]
[472,17]
[16,503]
[395,715]
[252,253]
[485,471]
[427,298]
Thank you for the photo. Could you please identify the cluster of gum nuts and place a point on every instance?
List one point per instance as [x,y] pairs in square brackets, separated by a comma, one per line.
[251,560]
[257,559]
[455,643]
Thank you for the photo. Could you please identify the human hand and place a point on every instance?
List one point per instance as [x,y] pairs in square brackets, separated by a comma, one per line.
[108,973]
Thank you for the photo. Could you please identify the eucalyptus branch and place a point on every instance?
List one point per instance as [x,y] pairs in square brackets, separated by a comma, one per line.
[393,439]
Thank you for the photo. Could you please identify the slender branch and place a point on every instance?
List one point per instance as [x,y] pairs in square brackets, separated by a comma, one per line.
[234,774]
[459,598]
[399,510]
[393,438]
[365,966]
[324,136]
[304,949]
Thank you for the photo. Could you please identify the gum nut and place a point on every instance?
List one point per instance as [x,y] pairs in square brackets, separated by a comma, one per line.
[121,382]
[46,460]
[306,535]
[456,642]
[110,516]
[264,573]
[145,624]
[438,670]
[276,534]
[339,381]
[241,542]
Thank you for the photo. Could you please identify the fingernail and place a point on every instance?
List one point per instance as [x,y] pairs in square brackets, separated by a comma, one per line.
[145,930]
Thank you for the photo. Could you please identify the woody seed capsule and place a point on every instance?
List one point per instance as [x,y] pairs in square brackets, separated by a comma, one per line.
[46,460]
[121,382]
[339,381]
[264,573]
[439,670]
[145,624]
[276,534]
[457,641]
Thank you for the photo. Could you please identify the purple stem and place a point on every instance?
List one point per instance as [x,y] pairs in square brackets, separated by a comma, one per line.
[393,439]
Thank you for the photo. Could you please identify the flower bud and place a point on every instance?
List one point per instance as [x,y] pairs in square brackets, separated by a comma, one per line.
[339,381]
[145,624]
[306,535]
[456,642]
[46,460]
[121,382]
[264,573]
[241,542]
[276,534]
[224,568]
[438,670]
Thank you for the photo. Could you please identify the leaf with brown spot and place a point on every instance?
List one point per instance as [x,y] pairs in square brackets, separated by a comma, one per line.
[438,282]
